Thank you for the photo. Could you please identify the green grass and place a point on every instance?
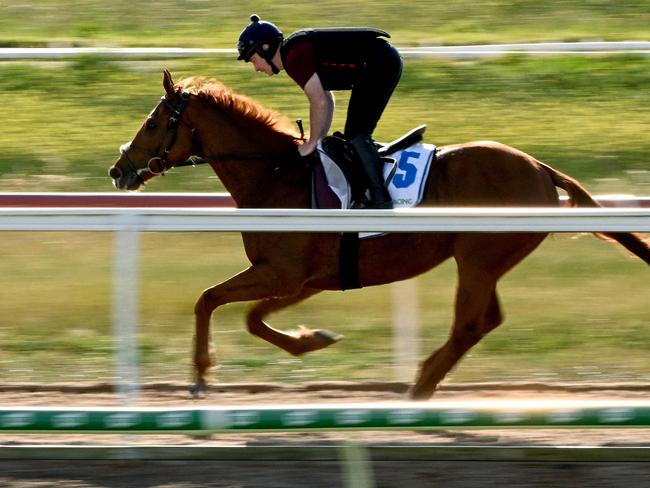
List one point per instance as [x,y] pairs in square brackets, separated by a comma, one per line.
[585,116]
[217,24]
[576,310]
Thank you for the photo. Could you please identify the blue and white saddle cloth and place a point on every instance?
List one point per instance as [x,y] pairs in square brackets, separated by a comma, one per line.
[406,187]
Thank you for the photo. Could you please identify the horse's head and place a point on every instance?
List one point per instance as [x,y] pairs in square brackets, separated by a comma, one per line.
[163,140]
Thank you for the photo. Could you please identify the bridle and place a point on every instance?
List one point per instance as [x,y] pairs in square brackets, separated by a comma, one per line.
[158,164]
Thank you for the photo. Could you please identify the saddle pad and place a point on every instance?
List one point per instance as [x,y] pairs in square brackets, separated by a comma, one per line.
[331,188]
[406,188]
[413,163]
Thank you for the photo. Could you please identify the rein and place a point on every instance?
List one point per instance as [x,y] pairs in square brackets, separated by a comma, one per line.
[173,124]
[233,156]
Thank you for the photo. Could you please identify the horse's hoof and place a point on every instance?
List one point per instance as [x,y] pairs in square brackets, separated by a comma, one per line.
[420,394]
[198,391]
[327,336]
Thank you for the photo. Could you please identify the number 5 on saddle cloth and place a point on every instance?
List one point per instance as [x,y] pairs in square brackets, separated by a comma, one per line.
[338,179]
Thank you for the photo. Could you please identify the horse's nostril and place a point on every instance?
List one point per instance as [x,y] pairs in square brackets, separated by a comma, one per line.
[115,173]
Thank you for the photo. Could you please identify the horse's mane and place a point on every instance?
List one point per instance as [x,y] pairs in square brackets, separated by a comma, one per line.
[223,98]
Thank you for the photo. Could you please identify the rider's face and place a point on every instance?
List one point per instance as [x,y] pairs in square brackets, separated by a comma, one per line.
[260,64]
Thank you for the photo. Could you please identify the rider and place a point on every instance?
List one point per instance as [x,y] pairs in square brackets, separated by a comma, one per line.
[322,60]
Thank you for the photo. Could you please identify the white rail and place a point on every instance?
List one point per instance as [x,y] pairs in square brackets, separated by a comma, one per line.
[468,51]
[469,219]
[531,49]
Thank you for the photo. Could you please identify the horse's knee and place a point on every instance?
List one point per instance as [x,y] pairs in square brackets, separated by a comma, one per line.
[199,306]
[205,304]
[257,313]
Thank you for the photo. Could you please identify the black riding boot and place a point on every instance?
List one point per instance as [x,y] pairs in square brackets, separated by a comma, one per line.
[370,161]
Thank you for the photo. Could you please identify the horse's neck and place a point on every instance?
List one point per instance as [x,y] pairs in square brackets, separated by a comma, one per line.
[253,182]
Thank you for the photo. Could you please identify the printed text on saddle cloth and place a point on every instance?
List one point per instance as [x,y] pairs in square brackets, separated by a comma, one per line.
[406,188]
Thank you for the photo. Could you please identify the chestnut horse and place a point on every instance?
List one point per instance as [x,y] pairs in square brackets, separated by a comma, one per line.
[253,152]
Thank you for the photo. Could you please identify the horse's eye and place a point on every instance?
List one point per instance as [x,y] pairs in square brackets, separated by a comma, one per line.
[151,125]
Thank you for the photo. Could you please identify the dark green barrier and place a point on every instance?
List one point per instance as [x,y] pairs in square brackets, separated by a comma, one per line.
[403,416]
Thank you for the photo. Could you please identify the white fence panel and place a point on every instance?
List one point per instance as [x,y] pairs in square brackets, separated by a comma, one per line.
[468,219]
[469,51]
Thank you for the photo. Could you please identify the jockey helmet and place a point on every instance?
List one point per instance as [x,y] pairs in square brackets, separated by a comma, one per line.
[254,37]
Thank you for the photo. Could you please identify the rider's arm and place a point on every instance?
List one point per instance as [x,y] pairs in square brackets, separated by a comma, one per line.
[321,111]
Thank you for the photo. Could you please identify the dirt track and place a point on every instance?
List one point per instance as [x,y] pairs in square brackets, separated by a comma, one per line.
[325,473]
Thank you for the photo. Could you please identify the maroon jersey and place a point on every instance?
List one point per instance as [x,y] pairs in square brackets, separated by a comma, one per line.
[300,62]
[338,56]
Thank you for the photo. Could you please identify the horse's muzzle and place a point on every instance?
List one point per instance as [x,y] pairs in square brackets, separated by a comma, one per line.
[129,181]
[115,173]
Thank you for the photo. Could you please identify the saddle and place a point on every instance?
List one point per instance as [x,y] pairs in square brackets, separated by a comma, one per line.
[407,140]
[339,178]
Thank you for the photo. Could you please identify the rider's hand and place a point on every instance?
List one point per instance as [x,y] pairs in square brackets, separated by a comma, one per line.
[306,149]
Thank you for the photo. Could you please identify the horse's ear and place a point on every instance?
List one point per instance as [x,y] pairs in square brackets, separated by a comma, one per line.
[168,83]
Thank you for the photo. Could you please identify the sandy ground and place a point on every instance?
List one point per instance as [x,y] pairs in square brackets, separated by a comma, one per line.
[289,473]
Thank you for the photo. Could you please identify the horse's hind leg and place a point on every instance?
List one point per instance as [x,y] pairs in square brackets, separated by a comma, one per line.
[482,260]
[477,313]
[304,340]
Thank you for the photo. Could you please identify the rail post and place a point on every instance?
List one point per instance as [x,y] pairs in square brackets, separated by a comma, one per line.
[126,259]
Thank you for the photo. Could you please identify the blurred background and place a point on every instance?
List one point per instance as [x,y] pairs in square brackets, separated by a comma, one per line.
[577,310]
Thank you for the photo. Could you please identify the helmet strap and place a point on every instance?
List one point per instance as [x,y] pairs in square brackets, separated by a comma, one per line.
[267,55]
[274,68]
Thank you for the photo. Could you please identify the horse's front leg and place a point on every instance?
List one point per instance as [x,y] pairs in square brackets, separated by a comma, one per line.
[300,342]
[254,283]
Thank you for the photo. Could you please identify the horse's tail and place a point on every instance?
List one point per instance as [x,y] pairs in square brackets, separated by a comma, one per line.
[580,197]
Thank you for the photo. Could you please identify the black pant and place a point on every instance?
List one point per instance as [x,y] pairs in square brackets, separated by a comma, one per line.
[373,89]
